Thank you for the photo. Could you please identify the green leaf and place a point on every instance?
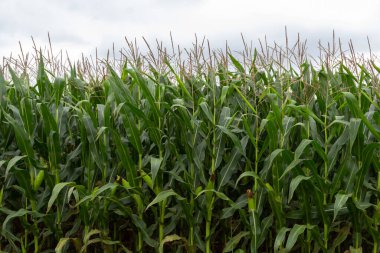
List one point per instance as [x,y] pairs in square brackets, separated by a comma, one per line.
[300,149]
[354,106]
[234,241]
[96,192]
[237,64]
[119,89]
[140,224]
[125,158]
[294,184]
[250,174]
[130,123]
[223,94]
[59,87]
[341,237]
[18,213]
[255,229]
[354,128]
[18,83]
[163,195]
[181,84]
[206,111]
[219,194]
[12,163]
[170,238]
[250,106]
[56,190]
[146,93]
[22,137]
[291,166]
[340,201]
[229,169]
[233,137]
[62,242]
[24,181]
[155,164]
[296,231]
[280,238]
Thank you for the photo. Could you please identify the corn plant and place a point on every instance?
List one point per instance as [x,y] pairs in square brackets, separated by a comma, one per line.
[263,151]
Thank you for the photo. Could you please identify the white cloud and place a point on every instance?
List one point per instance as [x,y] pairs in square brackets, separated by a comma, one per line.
[81,26]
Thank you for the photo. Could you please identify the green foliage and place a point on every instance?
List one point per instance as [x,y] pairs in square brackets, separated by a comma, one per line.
[234,157]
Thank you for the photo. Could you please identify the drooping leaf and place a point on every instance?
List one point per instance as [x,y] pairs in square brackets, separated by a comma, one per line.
[295,232]
[340,201]
[56,190]
[294,184]
[234,241]
[163,195]
[155,164]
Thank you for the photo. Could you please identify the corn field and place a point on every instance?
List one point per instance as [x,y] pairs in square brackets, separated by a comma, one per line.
[197,150]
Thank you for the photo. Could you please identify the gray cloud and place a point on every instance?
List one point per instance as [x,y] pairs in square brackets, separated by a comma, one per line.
[83,25]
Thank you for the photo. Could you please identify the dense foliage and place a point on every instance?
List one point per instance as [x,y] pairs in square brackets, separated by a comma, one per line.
[233,155]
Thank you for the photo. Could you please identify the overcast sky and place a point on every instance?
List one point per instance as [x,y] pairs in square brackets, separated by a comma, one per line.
[81,26]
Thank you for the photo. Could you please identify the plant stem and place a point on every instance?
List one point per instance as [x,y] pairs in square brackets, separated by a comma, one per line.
[191,227]
[162,206]
[140,212]
[325,225]
[208,226]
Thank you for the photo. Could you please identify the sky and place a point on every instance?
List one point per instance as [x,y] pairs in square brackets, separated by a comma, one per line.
[81,26]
